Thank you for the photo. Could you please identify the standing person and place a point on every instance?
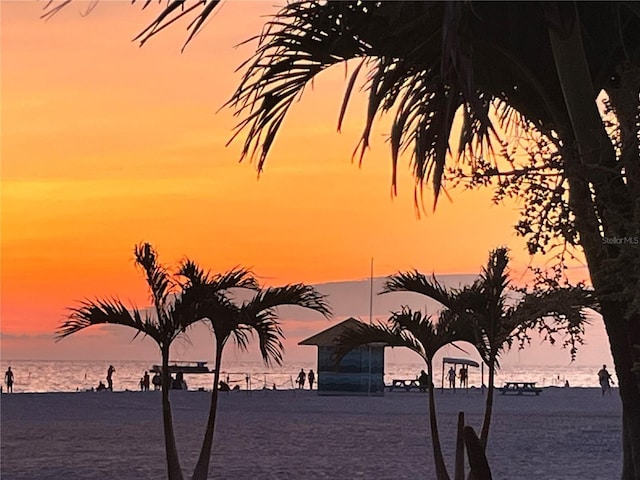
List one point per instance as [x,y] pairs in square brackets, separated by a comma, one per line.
[8,378]
[301,378]
[423,381]
[110,373]
[145,381]
[451,375]
[157,381]
[312,378]
[604,377]
[463,377]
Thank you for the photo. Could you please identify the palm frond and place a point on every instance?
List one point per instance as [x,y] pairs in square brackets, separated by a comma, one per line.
[186,310]
[568,304]
[208,283]
[239,322]
[364,334]
[223,315]
[237,277]
[455,327]
[430,335]
[416,282]
[558,311]
[171,318]
[174,11]
[302,40]
[240,336]
[299,294]
[51,9]
[158,278]
[103,312]
[193,272]
[270,335]
[495,275]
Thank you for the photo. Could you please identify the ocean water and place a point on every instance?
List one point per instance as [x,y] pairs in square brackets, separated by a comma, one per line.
[70,376]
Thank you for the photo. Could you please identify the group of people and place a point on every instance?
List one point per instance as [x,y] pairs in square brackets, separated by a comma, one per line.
[463,375]
[224,386]
[178,383]
[145,382]
[109,386]
[302,378]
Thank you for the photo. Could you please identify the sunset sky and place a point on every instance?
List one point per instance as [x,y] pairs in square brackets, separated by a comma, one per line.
[105,144]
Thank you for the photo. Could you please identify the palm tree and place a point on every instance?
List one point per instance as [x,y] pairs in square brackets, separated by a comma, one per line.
[421,334]
[494,323]
[257,316]
[175,310]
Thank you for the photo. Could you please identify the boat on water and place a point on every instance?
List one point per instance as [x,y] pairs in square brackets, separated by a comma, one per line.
[184,368]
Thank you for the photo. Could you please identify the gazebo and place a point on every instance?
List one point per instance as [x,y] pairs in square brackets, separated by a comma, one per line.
[459,361]
[360,372]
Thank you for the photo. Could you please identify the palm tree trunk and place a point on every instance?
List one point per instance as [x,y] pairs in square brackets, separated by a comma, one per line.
[629,387]
[459,470]
[441,468]
[478,464]
[615,216]
[488,407]
[202,467]
[173,462]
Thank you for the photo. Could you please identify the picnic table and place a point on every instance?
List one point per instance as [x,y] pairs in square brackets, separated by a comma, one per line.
[519,388]
[406,384]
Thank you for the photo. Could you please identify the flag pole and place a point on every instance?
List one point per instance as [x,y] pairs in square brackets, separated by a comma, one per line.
[370,318]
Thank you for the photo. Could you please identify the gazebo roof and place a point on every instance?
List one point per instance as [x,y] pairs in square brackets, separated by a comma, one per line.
[327,338]
[460,361]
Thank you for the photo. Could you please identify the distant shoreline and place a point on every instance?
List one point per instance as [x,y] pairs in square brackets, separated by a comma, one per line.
[474,390]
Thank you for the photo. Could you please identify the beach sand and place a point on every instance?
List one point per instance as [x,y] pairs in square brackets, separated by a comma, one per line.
[562,434]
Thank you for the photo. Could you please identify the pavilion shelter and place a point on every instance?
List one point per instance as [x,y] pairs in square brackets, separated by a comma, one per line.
[359,372]
[465,362]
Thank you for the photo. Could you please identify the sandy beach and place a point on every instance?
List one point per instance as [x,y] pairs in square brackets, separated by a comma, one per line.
[562,434]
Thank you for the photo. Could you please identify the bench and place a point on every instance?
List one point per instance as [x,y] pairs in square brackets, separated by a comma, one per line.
[519,388]
[406,384]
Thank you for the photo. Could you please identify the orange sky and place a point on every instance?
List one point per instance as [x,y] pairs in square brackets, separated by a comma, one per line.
[105,144]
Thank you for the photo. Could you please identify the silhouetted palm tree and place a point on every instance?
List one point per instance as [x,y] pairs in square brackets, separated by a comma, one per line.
[496,321]
[257,316]
[175,309]
[421,334]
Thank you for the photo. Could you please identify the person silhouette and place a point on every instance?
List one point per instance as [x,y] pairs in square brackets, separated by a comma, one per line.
[604,377]
[157,381]
[145,381]
[463,377]
[312,378]
[110,373]
[301,378]
[451,375]
[8,378]
[423,381]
